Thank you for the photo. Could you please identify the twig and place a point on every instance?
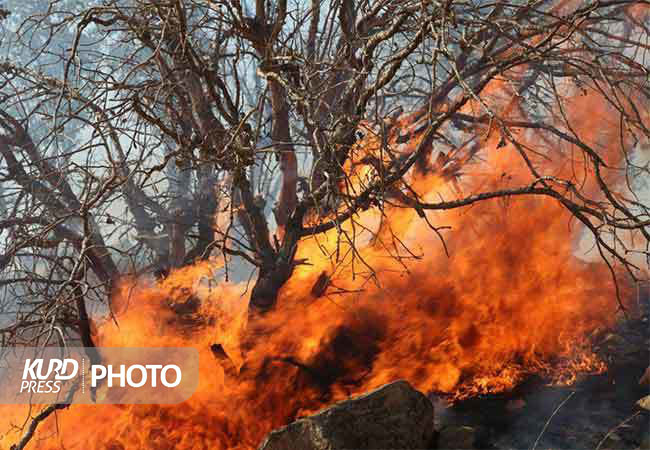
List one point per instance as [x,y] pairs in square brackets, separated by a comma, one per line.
[551,418]
[616,428]
[44,414]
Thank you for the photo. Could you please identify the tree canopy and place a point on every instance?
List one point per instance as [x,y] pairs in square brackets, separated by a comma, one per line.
[141,136]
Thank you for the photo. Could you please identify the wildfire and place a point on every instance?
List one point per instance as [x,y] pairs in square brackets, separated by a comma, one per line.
[510,299]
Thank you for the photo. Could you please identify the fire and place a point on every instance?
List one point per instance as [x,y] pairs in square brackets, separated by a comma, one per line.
[511,298]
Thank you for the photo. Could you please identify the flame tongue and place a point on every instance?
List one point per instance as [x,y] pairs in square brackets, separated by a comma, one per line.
[510,299]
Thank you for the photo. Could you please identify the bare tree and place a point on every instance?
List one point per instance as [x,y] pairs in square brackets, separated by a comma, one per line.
[165,132]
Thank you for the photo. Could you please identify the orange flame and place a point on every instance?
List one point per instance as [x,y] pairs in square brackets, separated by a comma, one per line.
[511,299]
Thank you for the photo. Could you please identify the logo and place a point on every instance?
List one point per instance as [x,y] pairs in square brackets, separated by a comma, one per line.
[38,382]
[97,375]
[100,372]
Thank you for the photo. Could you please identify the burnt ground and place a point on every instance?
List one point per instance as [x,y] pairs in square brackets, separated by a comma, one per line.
[599,411]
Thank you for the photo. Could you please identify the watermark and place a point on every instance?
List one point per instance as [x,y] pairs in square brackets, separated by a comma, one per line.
[102,375]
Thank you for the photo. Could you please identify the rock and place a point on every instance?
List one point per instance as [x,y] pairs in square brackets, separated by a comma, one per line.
[612,344]
[457,437]
[644,403]
[393,416]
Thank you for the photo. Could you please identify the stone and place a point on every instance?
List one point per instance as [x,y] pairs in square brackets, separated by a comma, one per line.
[393,416]
[644,403]
[457,437]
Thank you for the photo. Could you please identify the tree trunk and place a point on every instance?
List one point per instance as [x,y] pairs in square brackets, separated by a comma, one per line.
[277,267]
[265,292]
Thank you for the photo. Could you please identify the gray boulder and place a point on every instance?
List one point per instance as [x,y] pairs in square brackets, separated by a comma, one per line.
[395,416]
